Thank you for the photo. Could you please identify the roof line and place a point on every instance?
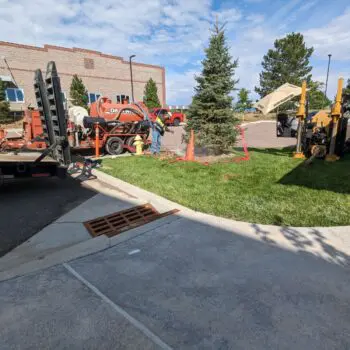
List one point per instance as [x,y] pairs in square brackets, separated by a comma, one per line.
[75,49]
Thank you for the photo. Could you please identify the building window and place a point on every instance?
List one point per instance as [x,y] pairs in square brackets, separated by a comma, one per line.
[14,95]
[93,97]
[121,98]
[89,63]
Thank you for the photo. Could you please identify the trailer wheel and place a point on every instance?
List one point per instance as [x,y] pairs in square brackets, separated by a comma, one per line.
[130,142]
[114,146]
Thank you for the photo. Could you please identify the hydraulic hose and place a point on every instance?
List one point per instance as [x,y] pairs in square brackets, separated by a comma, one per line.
[98,106]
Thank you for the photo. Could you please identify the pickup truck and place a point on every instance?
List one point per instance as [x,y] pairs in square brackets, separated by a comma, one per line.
[175,117]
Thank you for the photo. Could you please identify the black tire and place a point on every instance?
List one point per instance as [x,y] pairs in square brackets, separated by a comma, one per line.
[176,122]
[114,146]
[279,130]
[130,141]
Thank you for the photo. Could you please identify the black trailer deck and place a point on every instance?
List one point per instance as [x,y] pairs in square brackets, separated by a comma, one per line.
[24,165]
[24,157]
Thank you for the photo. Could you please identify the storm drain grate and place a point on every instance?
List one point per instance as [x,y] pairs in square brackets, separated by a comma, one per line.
[113,224]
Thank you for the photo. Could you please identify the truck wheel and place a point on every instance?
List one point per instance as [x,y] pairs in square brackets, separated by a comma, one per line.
[176,122]
[114,146]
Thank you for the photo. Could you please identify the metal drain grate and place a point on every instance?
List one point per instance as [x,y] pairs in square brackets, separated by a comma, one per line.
[124,220]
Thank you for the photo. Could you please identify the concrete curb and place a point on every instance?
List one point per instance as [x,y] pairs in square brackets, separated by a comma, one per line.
[139,192]
[336,237]
[168,204]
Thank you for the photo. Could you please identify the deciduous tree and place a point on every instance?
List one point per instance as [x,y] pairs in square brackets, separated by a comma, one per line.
[317,98]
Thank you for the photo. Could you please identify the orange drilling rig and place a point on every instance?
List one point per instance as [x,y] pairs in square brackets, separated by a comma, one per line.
[117,124]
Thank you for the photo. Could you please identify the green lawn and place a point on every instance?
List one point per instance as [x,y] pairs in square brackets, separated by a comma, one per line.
[271,188]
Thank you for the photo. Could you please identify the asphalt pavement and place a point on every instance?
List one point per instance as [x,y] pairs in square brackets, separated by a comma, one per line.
[27,207]
[183,285]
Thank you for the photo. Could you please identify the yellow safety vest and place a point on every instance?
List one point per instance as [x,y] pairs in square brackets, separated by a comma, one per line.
[159,125]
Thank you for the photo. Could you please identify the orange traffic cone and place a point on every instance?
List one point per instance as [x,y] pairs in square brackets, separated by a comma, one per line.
[190,148]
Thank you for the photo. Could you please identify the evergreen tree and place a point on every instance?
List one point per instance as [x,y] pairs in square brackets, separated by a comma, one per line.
[78,92]
[346,90]
[288,62]
[243,102]
[4,105]
[151,99]
[346,100]
[211,114]
[317,98]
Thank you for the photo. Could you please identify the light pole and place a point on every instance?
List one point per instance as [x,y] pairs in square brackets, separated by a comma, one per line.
[132,82]
[329,63]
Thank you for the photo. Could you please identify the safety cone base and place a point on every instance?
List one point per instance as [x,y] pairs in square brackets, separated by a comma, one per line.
[298,155]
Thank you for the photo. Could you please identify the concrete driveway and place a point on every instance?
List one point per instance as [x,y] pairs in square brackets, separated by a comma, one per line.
[260,135]
[263,135]
[173,142]
[182,285]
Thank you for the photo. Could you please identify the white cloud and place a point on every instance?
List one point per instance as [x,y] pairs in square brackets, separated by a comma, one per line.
[333,38]
[229,17]
[254,1]
[255,18]
[168,32]
[172,33]
[180,86]
[320,74]
[308,5]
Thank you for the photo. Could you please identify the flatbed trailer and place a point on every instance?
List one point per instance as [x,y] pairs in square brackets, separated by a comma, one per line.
[24,165]
[54,160]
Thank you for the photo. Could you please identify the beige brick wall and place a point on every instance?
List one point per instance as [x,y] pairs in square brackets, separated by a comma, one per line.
[110,76]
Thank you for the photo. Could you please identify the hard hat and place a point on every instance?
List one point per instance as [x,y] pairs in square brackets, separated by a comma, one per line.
[137,138]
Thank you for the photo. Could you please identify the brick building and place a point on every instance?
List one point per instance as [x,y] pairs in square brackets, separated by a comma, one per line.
[102,74]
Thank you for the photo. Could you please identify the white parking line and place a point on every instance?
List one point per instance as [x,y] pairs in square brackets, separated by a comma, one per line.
[119,310]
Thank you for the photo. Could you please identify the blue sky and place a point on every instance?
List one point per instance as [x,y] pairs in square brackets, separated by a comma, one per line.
[173,33]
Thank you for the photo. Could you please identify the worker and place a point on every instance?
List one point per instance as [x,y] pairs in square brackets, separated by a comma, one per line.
[158,130]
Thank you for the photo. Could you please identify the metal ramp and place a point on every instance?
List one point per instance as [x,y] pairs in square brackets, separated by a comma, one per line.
[48,95]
